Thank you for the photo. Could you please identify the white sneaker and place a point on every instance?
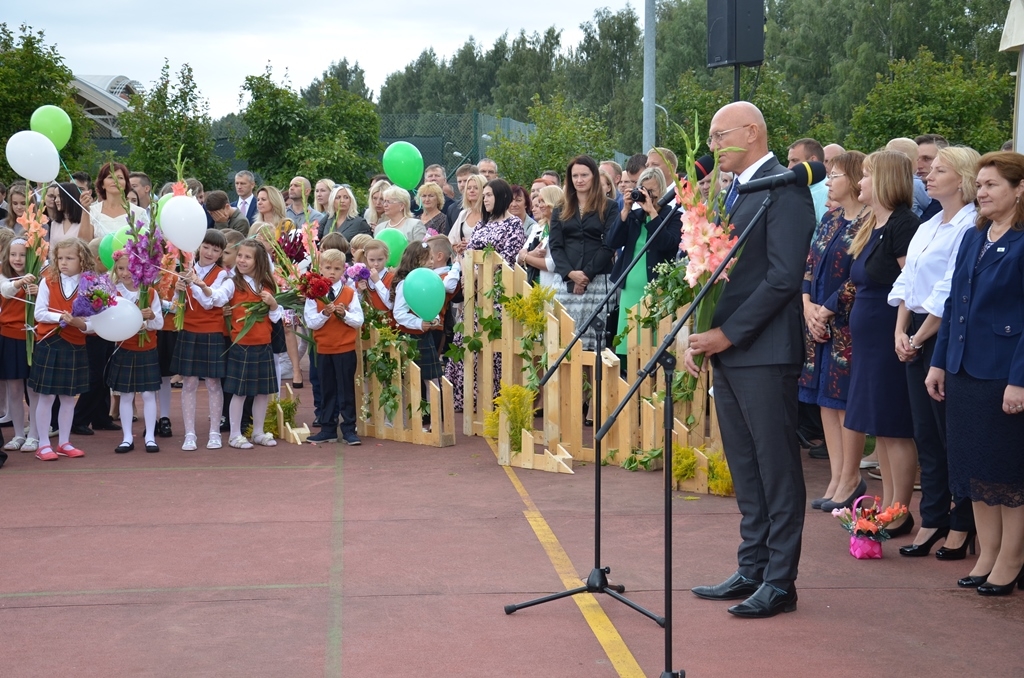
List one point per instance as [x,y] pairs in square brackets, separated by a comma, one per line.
[214,443]
[31,445]
[15,444]
[190,442]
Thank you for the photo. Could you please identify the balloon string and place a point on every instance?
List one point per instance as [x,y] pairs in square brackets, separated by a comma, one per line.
[71,177]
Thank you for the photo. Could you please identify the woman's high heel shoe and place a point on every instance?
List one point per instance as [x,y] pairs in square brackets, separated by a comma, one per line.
[989,589]
[905,528]
[960,552]
[834,503]
[971,581]
[921,550]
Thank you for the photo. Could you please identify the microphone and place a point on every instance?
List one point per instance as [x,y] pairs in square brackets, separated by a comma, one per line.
[804,174]
[702,168]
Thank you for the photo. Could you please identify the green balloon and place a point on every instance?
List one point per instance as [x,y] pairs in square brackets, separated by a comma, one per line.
[160,205]
[396,242]
[107,250]
[403,163]
[53,123]
[424,292]
[121,238]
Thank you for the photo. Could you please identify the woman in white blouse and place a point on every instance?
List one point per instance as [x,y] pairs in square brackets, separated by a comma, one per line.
[109,215]
[920,292]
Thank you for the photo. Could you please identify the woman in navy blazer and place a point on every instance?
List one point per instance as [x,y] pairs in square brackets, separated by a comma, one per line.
[979,366]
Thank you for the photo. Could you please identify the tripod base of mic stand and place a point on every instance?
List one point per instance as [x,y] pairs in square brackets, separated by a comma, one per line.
[597,582]
[673,674]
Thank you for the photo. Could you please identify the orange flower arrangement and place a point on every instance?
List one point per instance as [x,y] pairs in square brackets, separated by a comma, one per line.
[37,249]
[870,523]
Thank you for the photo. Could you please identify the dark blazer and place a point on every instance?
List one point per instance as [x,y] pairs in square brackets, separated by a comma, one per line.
[981,330]
[624,234]
[350,228]
[760,309]
[579,244]
[250,209]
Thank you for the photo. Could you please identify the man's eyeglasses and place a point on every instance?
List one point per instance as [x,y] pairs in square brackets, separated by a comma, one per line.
[716,137]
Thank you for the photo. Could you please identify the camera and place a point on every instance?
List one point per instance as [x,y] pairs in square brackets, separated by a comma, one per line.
[637,195]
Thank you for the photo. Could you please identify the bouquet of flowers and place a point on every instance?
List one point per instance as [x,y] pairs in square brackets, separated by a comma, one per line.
[292,246]
[37,249]
[867,526]
[96,293]
[145,250]
[312,285]
[358,272]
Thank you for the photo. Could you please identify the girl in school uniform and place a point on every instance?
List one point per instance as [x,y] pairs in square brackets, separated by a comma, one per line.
[378,287]
[200,347]
[60,366]
[134,368]
[13,357]
[250,369]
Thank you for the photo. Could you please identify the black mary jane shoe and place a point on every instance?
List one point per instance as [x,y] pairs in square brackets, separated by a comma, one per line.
[151,446]
[960,552]
[971,581]
[124,448]
[163,428]
[990,589]
[921,550]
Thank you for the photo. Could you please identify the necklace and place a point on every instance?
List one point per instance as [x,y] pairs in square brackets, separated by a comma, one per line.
[859,214]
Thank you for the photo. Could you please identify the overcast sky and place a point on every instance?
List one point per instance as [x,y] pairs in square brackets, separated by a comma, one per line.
[225,47]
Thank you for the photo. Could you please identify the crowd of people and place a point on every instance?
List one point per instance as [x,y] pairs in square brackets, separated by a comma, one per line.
[898,283]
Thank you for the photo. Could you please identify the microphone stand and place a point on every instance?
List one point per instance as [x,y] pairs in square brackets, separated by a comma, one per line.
[667,361]
[597,582]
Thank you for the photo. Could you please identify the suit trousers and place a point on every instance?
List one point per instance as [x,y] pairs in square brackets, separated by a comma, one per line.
[338,384]
[93,406]
[757,414]
[930,437]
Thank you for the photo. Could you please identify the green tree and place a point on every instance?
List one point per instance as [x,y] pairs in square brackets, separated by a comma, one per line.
[960,101]
[529,70]
[338,138]
[562,133]
[167,117]
[33,74]
[351,78]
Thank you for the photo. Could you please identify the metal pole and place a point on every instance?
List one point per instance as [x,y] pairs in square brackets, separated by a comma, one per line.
[736,82]
[649,137]
[1018,119]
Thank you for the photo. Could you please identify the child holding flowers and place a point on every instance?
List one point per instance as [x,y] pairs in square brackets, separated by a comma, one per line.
[200,347]
[250,369]
[60,366]
[14,286]
[378,286]
[335,321]
[135,365]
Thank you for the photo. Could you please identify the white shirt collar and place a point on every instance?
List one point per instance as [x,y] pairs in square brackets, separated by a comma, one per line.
[748,174]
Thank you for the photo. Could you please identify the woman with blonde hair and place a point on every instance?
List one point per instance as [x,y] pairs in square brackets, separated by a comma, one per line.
[321,192]
[342,214]
[270,209]
[431,198]
[534,256]
[920,294]
[878,403]
[397,209]
[608,186]
[472,212]
[375,210]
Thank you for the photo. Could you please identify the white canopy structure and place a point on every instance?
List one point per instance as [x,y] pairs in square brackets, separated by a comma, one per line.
[104,97]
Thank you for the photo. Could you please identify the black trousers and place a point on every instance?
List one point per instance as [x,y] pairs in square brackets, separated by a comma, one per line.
[338,391]
[93,406]
[938,507]
[757,413]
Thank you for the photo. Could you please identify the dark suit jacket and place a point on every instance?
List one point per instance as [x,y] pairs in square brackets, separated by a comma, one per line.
[250,209]
[981,330]
[759,310]
[624,234]
[580,244]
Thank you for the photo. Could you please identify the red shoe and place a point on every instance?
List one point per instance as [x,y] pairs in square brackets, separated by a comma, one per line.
[70,451]
[46,453]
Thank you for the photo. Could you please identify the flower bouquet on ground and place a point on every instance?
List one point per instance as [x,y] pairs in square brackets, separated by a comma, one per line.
[867,526]
[37,249]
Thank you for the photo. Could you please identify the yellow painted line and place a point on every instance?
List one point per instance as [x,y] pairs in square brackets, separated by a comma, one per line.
[607,635]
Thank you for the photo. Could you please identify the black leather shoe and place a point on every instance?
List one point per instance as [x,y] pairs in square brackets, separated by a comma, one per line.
[972,582]
[921,550]
[767,601]
[106,427]
[163,428]
[82,430]
[960,552]
[734,588]
[124,448]
[905,528]
[990,589]
[151,446]
[818,451]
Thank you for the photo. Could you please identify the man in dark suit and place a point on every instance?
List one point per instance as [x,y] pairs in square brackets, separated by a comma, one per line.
[757,346]
[245,184]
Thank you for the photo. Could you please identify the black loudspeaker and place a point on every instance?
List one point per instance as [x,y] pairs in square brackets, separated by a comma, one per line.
[735,32]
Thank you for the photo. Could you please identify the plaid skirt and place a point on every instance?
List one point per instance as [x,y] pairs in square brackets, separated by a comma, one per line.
[251,370]
[13,359]
[134,371]
[165,343]
[429,360]
[59,368]
[200,355]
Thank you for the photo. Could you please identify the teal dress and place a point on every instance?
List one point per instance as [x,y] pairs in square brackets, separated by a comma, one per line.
[633,291]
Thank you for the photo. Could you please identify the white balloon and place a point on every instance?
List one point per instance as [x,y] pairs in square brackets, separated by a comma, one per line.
[121,321]
[33,156]
[183,222]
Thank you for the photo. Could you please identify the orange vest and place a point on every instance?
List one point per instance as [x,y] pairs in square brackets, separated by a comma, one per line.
[336,336]
[150,342]
[260,332]
[375,299]
[200,320]
[59,304]
[12,316]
